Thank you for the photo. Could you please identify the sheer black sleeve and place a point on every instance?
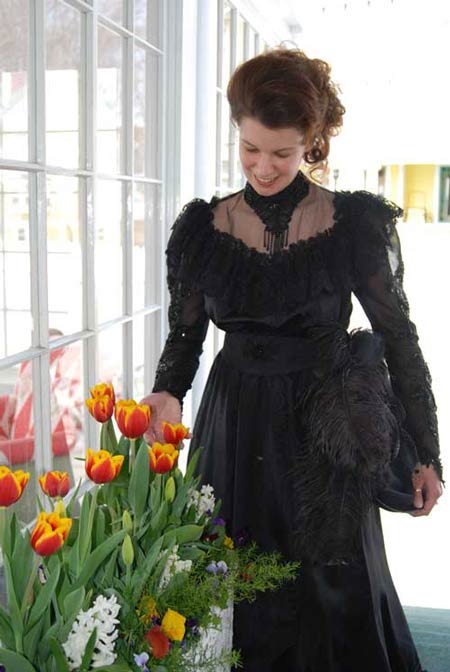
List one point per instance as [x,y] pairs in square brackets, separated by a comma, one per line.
[188,321]
[378,284]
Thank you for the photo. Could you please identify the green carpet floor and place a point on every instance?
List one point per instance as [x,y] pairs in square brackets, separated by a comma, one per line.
[431,632]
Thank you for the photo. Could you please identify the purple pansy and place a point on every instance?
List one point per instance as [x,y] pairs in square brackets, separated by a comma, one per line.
[141,659]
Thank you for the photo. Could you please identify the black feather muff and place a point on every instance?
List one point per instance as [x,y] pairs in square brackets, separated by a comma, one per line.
[350,434]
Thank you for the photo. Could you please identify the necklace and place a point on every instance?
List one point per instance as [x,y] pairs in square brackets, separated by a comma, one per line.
[275,211]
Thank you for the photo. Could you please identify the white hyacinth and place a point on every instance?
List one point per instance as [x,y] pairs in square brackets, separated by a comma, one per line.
[173,566]
[102,616]
[204,501]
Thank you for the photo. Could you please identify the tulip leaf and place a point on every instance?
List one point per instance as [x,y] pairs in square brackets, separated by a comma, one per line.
[159,520]
[44,597]
[5,530]
[188,533]
[95,559]
[73,499]
[115,667]
[14,608]
[109,569]
[86,524]
[6,632]
[73,602]
[31,640]
[190,469]
[14,661]
[22,560]
[141,576]
[139,484]
[88,652]
[99,527]
[60,659]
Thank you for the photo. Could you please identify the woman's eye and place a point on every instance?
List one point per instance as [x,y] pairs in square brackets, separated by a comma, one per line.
[252,151]
[282,156]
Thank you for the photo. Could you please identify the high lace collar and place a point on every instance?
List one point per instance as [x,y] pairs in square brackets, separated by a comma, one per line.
[275,211]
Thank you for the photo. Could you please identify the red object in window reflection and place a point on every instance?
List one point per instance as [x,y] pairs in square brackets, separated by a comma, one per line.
[16,419]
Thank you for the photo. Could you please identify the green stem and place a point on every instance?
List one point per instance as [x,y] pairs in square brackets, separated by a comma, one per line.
[132,453]
[4,521]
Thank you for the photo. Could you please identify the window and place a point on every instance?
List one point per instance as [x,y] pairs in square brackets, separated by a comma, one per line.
[80,227]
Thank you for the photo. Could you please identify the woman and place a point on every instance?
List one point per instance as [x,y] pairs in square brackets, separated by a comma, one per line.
[304,430]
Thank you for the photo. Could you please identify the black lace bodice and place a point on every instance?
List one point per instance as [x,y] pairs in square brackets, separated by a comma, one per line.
[213,275]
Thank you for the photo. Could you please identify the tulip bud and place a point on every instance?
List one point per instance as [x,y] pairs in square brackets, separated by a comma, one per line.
[126,521]
[127,551]
[170,490]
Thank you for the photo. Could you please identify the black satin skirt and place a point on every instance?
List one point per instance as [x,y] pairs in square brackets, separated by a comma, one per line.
[342,613]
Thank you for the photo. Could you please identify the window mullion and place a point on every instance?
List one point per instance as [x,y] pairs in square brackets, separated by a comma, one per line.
[38,241]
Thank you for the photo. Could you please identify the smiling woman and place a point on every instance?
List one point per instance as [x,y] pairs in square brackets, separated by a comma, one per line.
[306,429]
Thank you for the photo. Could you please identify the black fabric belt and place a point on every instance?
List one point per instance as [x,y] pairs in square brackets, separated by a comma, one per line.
[267,354]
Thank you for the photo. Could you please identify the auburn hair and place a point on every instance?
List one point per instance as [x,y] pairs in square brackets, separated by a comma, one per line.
[284,88]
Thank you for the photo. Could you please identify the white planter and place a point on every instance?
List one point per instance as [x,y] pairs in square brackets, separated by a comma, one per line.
[215,642]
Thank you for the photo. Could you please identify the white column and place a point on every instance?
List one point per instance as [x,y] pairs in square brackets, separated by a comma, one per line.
[205,145]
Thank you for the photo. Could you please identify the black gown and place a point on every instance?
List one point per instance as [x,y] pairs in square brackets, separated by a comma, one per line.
[279,447]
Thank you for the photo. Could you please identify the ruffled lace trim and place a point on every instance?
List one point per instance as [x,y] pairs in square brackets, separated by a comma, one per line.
[252,281]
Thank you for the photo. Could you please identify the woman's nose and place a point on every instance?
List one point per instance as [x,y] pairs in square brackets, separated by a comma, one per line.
[264,166]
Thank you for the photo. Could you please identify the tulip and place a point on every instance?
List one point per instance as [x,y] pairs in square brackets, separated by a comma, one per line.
[12,485]
[173,624]
[102,467]
[126,521]
[158,641]
[103,390]
[101,408]
[170,489]
[55,483]
[50,533]
[132,418]
[174,433]
[163,457]
[127,551]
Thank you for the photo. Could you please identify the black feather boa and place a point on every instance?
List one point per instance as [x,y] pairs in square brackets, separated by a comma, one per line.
[351,437]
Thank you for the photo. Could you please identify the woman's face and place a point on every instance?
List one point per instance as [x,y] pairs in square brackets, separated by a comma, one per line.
[270,157]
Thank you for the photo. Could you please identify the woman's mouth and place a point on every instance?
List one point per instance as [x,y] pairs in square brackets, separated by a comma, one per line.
[265,182]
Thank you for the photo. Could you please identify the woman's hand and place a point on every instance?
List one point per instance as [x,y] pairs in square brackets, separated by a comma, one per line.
[163,406]
[427,489]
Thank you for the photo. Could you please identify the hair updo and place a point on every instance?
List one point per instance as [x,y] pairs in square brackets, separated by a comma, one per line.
[283,88]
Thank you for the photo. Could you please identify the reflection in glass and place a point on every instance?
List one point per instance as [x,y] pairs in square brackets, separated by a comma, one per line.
[109,101]
[109,353]
[14,80]
[62,84]
[17,431]
[113,9]
[240,40]
[139,110]
[64,262]
[226,56]
[146,227]
[67,404]
[108,250]
[15,327]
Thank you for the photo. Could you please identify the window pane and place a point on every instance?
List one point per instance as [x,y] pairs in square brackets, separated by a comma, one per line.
[62,84]
[14,81]
[109,352]
[146,236]
[226,58]
[64,254]
[139,110]
[154,22]
[15,253]
[138,358]
[113,9]
[67,409]
[225,137]
[109,101]
[240,40]
[108,250]
[16,431]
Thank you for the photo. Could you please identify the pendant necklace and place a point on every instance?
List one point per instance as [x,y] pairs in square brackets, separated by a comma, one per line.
[275,211]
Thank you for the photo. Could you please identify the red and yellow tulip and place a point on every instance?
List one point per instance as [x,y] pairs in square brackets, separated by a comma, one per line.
[103,390]
[174,433]
[101,408]
[163,457]
[132,418]
[55,483]
[102,467]
[158,641]
[12,485]
[50,533]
